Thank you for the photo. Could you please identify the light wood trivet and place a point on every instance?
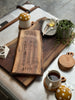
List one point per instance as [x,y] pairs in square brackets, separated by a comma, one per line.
[66,62]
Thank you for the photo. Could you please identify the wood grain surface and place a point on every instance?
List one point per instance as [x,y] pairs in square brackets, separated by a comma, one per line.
[66,62]
[28,58]
[51,49]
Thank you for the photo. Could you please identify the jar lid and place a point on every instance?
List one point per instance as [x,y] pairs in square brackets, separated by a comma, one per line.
[24,16]
[63,93]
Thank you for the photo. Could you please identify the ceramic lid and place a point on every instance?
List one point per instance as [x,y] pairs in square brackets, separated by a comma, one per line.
[24,16]
[63,93]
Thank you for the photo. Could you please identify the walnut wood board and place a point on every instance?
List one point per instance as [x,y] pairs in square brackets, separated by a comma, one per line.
[51,49]
[28,59]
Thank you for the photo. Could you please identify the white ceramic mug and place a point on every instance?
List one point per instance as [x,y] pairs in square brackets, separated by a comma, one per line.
[53,84]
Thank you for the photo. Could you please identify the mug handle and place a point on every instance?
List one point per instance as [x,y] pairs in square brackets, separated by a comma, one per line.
[50,85]
[63,79]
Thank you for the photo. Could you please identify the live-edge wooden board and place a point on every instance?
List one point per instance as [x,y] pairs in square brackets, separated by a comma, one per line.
[51,49]
[28,59]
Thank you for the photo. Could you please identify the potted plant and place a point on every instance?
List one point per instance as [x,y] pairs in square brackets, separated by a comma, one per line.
[64,31]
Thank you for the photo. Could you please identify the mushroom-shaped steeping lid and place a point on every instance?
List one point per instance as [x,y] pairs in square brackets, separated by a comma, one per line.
[63,93]
[24,17]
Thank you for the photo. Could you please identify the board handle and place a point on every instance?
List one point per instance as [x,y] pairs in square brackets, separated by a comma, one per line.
[24,9]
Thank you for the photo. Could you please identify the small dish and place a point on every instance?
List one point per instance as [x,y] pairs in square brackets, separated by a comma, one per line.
[49,27]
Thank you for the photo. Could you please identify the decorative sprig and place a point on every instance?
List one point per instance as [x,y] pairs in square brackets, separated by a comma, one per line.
[64,31]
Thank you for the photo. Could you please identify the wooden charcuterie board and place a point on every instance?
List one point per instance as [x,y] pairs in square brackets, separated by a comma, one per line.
[28,59]
[51,49]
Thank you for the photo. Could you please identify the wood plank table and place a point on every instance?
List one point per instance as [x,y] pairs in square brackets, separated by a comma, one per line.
[36,89]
